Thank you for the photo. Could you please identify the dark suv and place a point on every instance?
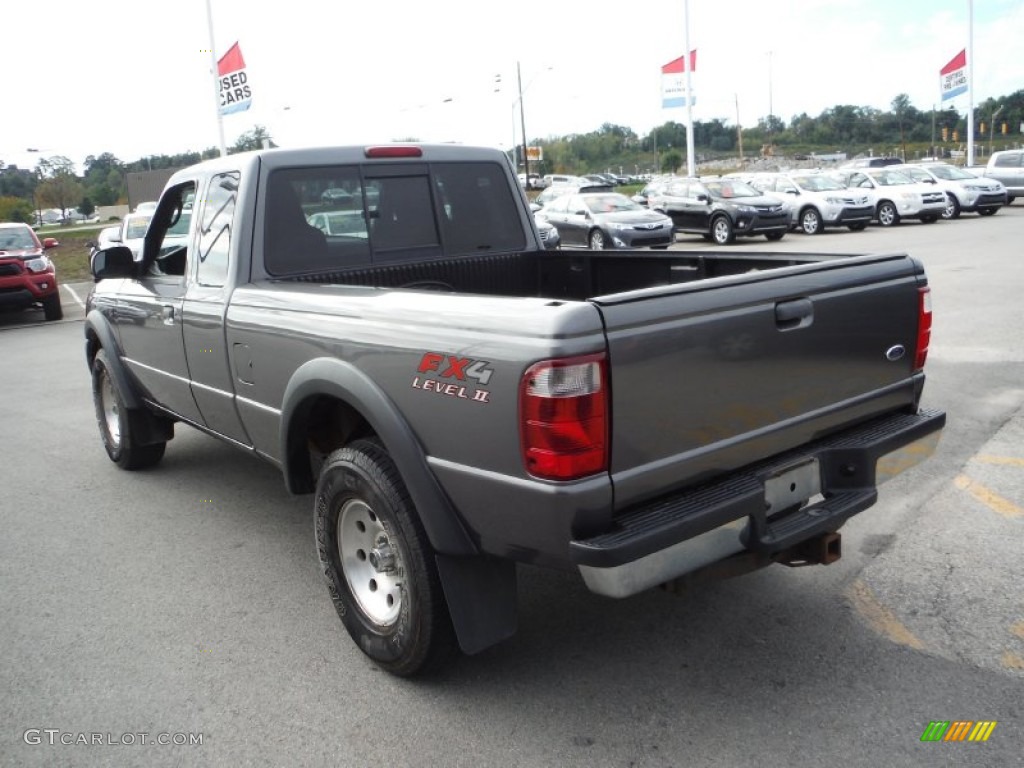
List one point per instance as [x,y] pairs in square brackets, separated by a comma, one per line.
[27,276]
[721,209]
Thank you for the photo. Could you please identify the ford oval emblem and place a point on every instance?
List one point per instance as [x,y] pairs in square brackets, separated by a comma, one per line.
[895,353]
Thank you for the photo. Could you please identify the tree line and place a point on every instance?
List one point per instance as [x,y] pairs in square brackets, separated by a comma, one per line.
[842,128]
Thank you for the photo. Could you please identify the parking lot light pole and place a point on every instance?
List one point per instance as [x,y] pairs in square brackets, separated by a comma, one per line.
[992,129]
[522,123]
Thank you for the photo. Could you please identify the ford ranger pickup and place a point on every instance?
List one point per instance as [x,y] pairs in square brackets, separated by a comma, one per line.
[459,399]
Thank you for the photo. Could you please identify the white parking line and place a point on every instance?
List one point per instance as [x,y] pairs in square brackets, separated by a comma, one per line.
[74,295]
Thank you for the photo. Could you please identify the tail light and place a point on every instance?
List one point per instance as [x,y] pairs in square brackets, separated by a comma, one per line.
[563,411]
[924,326]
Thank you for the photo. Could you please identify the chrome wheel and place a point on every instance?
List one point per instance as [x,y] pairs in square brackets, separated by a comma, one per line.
[111,417]
[952,209]
[371,563]
[597,240]
[887,215]
[810,222]
[721,230]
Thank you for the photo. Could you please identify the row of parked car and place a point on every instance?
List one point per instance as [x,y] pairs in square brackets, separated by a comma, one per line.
[720,209]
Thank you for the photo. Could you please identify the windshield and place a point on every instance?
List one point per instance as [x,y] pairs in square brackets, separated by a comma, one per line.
[730,188]
[135,227]
[613,203]
[181,226]
[887,178]
[950,172]
[817,183]
[16,238]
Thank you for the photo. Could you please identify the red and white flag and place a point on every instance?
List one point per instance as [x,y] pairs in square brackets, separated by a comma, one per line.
[235,93]
[673,81]
[953,76]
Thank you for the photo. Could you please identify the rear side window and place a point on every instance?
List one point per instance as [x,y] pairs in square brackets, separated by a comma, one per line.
[1008,160]
[325,219]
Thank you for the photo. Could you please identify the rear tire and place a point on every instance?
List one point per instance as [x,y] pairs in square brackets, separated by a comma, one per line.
[380,568]
[929,219]
[987,211]
[118,425]
[860,226]
[774,235]
[52,310]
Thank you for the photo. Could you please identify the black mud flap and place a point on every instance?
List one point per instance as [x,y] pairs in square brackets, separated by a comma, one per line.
[481,595]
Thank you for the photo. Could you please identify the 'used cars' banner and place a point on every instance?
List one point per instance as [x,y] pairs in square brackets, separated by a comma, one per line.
[953,76]
[235,94]
[673,81]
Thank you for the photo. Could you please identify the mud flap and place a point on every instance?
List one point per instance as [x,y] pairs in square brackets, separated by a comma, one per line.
[481,595]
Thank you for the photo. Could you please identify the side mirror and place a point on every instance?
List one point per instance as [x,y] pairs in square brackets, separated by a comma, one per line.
[793,192]
[581,212]
[702,198]
[114,262]
[50,242]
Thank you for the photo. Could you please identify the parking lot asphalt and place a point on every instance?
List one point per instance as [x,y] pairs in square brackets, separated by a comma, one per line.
[186,601]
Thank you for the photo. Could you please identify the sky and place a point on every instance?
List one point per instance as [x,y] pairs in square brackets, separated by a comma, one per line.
[133,77]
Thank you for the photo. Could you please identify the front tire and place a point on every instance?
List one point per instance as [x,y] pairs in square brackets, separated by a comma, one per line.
[773,236]
[888,216]
[987,211]
[597,240]
[860,226]
[119,427]
[721,230]
[810,221]
[952,209]
[380,568]
[52,310]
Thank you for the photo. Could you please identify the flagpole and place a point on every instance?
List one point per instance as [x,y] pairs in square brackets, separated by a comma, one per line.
[691,166]
[970,82]
[216,81]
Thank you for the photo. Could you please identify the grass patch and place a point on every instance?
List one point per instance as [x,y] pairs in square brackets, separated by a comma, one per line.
[72,256]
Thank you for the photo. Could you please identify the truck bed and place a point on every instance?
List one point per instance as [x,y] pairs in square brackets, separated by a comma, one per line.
[568,275]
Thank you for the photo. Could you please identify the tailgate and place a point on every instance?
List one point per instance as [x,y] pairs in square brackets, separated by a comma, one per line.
[709,376]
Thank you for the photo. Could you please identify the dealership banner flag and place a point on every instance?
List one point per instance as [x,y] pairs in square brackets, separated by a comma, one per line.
[953,76]
[235,93]
[673,81]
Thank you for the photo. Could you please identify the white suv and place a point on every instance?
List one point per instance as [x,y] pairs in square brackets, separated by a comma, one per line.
[897,196]
[964,191]
[817,201]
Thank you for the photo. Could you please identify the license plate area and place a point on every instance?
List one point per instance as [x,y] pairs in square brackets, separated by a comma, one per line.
[791,486]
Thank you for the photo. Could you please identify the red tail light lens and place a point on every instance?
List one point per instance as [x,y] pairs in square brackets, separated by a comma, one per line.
[563,410]
[924,326]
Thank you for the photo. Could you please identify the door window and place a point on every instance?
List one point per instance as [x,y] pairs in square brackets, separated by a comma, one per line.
[215,230]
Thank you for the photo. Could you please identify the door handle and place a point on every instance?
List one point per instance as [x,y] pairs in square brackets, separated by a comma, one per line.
[798,313]
[167,312]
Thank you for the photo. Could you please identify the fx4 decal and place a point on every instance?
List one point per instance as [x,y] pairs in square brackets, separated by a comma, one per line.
[453,376]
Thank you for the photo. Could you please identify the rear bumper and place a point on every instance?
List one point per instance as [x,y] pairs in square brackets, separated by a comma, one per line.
[673,536]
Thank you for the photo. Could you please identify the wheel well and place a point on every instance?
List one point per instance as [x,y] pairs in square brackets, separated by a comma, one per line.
[809,207]
[92,346]
[320,425]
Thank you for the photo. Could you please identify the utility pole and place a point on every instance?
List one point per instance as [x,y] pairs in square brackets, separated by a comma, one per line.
[522,122]
[739,128]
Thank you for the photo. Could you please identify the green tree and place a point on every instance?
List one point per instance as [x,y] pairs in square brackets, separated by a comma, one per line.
[252,139]
[671,161]
[16,209]
[59,187]
[86,207]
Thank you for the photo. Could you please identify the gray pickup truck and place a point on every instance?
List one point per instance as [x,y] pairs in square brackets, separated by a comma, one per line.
[460,400]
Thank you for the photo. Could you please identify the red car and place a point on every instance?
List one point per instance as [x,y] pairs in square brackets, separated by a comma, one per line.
[27,276]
